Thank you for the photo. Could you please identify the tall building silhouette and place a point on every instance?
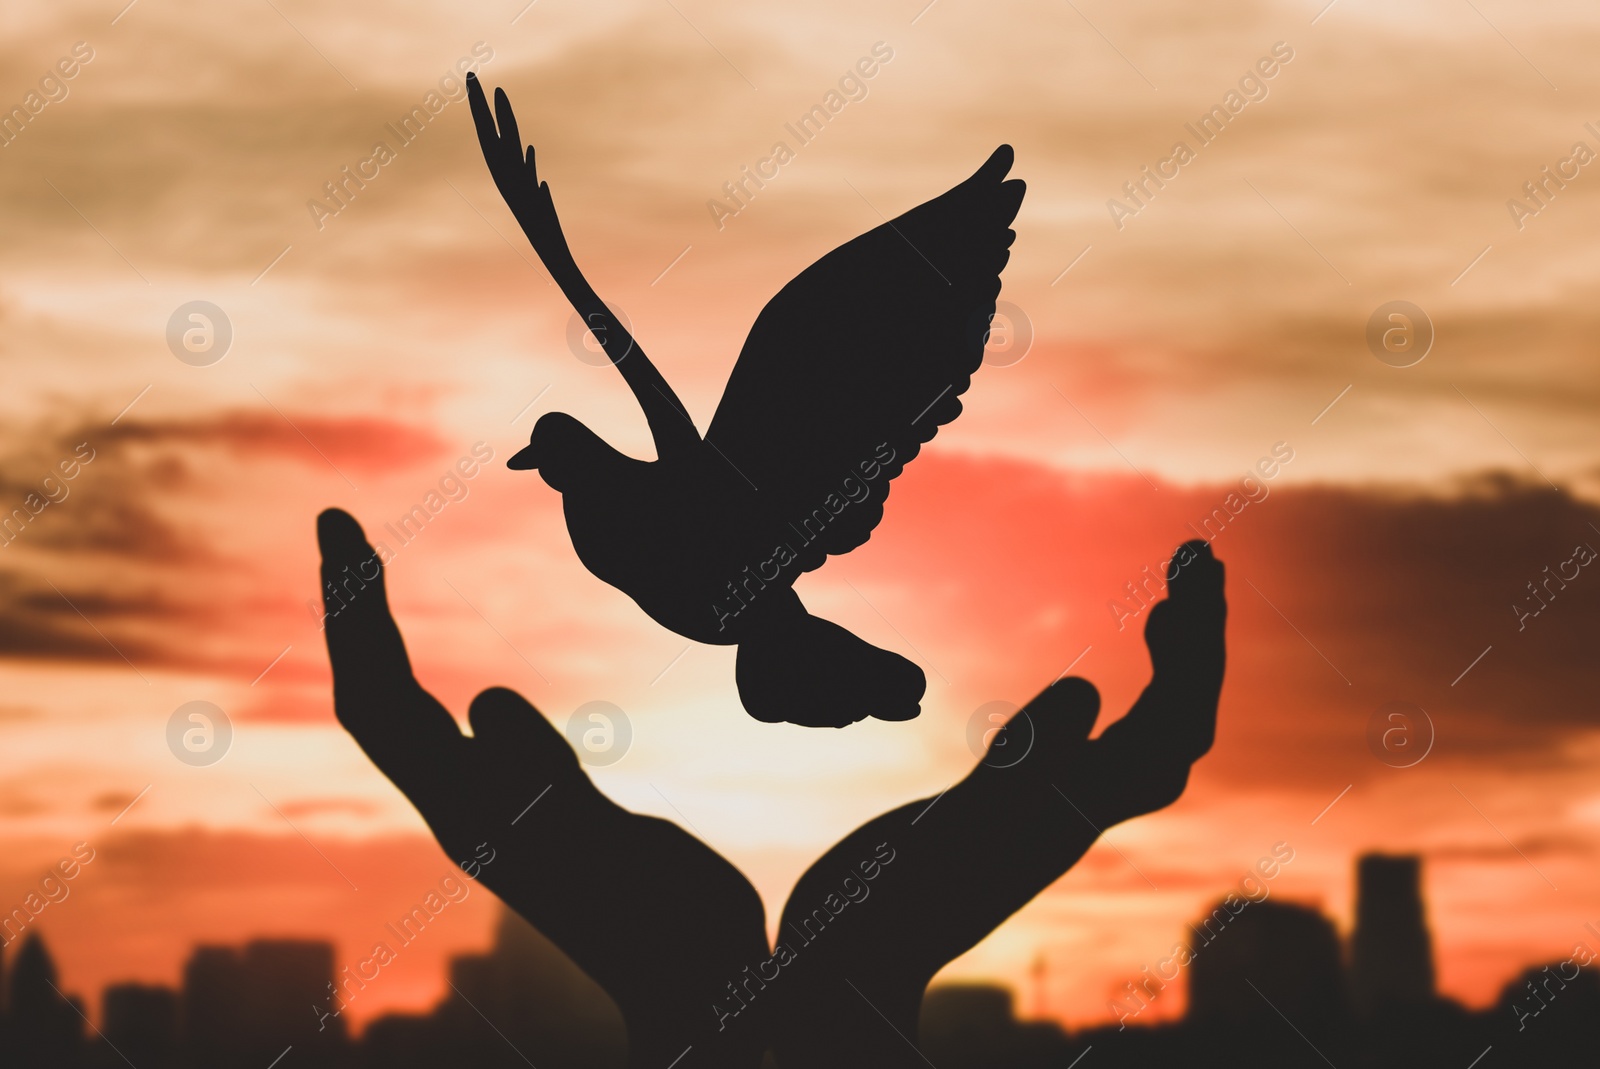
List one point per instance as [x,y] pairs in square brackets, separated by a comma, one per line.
[966,1023]
[1391,949]
[1552,1012]
[975,1026]
[45,1025]
[284,980]
[248,1005]
[523,1001]
[543,1003]
[212,1006]
[1274,961]
[141,1022]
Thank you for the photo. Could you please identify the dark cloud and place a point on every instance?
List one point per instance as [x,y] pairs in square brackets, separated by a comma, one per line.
[17,804]
[103,558]
[362,443]
[113,479]
[1342,599]
[113,801]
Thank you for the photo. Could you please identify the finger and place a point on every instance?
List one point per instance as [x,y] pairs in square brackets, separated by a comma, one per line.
[515,731]
[406,732]
[1195,576]
[364,643]
[482,118]
[510,139]
[1066,709]
[533,170]
[1059,716]
[1186,628]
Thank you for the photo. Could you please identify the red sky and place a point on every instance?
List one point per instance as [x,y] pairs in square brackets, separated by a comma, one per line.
[1221,320]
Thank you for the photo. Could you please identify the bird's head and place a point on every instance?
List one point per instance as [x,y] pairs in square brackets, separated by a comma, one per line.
[563,450]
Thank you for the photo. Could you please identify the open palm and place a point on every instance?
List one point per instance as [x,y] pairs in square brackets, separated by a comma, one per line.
[660,920]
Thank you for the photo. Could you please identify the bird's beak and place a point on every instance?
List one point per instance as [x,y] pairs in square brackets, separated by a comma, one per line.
[523,460]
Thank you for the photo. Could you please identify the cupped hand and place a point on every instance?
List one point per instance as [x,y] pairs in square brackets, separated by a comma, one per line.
[657,918]
[867,936]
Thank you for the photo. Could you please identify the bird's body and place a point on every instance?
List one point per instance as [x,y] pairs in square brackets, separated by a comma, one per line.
[846,373]
[705,556]
[689,540]
[641,526]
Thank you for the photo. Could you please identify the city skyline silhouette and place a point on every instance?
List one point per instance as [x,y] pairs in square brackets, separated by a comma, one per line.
[1275,971]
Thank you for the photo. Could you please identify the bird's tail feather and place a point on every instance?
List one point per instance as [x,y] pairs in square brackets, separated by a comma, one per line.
[802,669]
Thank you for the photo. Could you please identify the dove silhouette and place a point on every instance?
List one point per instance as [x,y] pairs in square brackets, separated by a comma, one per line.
[846,373]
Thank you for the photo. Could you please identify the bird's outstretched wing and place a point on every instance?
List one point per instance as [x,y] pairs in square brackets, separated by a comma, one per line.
[859,361]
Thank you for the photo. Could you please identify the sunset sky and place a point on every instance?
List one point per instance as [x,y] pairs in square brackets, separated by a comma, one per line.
[1173,347]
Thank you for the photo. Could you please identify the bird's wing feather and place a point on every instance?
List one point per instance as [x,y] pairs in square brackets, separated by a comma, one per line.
[863,356]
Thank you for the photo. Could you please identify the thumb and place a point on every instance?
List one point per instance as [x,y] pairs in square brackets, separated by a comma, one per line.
[514,731]
[1058,719]
[1065,711]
